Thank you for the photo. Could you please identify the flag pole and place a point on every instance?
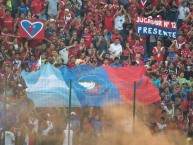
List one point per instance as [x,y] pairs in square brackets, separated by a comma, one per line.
[4,110]
[134,106]
[69,111]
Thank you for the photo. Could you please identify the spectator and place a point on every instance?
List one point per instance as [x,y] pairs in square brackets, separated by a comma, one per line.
[181,79]
[102,45]
[138,50]
[183,12]
[97,125]
[9,137]
[75,126]
[87,37]
[37,6]
[116,35]
[52,8]
[116,63]
[120,19]
[127,62]
[23,8]
[64,18]
[108,20]
[8,21]
[86,131]
[42,14]
[161,126]
[159,51]
[115,48]
[155,80]
[64,53]
[76,6]
[172,11]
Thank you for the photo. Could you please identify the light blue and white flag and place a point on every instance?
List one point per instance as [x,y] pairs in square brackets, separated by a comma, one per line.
[47,88]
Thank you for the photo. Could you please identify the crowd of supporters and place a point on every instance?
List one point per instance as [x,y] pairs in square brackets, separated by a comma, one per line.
[102,33]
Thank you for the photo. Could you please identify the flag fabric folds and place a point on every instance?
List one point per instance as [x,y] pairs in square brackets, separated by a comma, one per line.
[47,88]
[101,86]
[110,85]
[92,86]
[146,92]
[32,28]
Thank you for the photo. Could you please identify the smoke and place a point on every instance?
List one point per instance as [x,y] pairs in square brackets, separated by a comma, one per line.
[122,132]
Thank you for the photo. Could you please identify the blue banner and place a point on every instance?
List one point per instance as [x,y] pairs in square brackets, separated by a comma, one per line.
[92,86]
[156,27]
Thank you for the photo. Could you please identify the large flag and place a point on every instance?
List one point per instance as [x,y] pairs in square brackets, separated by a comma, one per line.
[32,28]
[104,86]
[47,88]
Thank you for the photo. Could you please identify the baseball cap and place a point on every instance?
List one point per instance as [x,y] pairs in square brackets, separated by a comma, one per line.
[19,85]
[67,10]
[72,113]
[159,16]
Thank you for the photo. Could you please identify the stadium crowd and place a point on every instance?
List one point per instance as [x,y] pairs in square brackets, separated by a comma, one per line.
[96,33]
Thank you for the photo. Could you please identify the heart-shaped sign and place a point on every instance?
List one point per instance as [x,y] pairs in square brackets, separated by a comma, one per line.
[143,2]
[32,29]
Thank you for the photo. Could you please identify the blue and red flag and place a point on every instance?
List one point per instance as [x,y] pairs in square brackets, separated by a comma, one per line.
[104,86]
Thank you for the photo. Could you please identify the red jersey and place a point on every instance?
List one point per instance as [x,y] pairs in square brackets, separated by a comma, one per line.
[113,36]
[7,39]
[8,22]
[88,19]
[154,3]
[1,15]
[71,65]
[125,64]
[65,20]
[154,67]
[159,56]
[126,52]
[138,51]
[23,53]
[78,27]
[184,105]
[140,5]
[96,18]
[88,39]
[185,28]
[74,51]
[37,6]
[186,52]
[143,41]
[130,40]
[49,52]
[51,38]
[108,23]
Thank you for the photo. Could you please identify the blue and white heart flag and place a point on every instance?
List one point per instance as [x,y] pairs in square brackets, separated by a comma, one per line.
[32,28]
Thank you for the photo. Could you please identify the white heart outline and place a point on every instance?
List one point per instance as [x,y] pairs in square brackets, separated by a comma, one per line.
[32,24]
[143,3]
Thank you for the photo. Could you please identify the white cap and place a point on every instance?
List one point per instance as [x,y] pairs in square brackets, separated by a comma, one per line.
[72,113]
[52,20]
[150,17]
[67,10]
[19,85]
